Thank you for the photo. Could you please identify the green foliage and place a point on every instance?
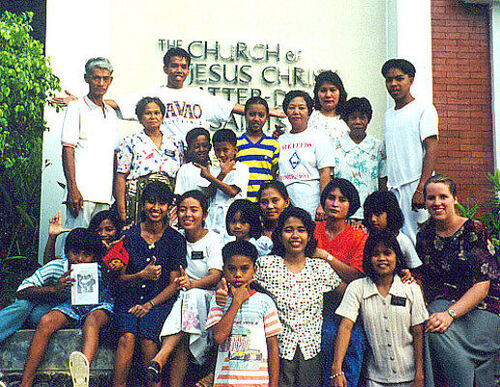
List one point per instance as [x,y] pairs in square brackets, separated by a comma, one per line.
[26,84]
[492,218]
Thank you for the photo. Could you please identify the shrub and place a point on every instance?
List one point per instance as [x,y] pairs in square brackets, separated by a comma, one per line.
[26,84]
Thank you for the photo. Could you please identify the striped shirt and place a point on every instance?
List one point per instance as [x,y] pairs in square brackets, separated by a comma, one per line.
[47,275]
[260,158]
[242,358]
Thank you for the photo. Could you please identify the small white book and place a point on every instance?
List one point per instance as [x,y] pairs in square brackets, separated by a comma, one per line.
[85,290]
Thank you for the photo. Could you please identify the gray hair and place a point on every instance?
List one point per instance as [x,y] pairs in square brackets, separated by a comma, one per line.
[99,62]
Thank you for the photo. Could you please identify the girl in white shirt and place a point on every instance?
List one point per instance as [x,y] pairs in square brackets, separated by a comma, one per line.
[184,329]
[243,222]
[393,314]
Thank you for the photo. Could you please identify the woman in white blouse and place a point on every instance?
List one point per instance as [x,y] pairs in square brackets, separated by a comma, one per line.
[329,99]
[145,156]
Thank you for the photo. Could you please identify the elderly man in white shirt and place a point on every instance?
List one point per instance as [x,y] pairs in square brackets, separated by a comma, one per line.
[89,138]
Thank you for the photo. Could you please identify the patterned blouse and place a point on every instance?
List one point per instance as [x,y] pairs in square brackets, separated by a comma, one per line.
[299,297]
[139,156]
[452,265]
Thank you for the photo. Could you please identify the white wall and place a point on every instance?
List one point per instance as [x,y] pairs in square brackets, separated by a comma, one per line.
[353,37]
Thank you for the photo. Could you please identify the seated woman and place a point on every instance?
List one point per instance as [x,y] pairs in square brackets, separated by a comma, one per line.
[143,157]
[342,247]
[147,285]
[461,283]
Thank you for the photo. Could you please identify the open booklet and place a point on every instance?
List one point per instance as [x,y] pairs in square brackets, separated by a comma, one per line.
[85,290]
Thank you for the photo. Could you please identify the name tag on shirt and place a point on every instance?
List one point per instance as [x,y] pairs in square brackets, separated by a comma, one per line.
[197,255]
[169,153]
[398,301]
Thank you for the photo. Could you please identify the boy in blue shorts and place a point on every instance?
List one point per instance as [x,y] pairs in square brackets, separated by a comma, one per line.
[255,149]
[82,246]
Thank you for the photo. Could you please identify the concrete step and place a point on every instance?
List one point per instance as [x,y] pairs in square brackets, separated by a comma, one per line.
[54,370]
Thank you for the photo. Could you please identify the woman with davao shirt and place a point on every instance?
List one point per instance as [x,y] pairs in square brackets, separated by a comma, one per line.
[342,247]
[143,157]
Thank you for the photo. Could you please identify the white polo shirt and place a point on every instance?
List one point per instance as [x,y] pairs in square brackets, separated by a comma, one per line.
[95,137]
[387,322]
[405,130]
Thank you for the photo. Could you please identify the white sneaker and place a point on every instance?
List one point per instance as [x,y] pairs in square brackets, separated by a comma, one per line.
[79,369]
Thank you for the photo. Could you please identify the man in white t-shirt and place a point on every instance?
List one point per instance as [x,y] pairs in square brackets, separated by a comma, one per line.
[411,141]
[186,107]
[89,138]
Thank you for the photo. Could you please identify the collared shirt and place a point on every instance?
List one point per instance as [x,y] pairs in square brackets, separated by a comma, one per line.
[387,322]
[260,157]
[362,164]
[299,297]
[94,134]
[139,156]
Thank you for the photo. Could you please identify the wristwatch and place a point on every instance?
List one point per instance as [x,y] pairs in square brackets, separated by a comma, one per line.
[452,313]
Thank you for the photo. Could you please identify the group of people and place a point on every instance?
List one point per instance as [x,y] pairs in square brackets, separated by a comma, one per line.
[293,259]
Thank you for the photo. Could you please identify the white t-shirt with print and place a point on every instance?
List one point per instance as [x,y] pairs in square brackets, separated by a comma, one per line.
[186,108]
[405,130]
[302,155]
[242,359]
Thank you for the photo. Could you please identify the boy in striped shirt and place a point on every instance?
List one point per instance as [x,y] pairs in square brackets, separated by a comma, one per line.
[246,328]
[255,149]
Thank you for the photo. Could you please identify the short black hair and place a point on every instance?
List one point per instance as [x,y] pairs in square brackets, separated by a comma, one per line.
[383,201]
[111,215]
[256,100]
[305,218]
[250,213]
[176,51]
[244,248]
[388,238]
[355,104]
[157,191]
[224,135]
[194,133]
[274,184]
[401,64]
[298,93]
[197,195]
[347,189]
[141,106]
[83,240]
[334,79]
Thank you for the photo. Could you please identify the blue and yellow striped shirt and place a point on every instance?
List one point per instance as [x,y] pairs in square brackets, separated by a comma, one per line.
[260,157]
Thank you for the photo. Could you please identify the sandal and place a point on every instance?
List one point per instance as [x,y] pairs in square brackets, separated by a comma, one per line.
[79,369]
[153,372]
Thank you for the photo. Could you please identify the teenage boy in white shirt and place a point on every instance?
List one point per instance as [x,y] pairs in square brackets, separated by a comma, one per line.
[411,141]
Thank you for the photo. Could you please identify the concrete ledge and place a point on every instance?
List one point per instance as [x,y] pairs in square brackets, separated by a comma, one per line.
[13,352]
